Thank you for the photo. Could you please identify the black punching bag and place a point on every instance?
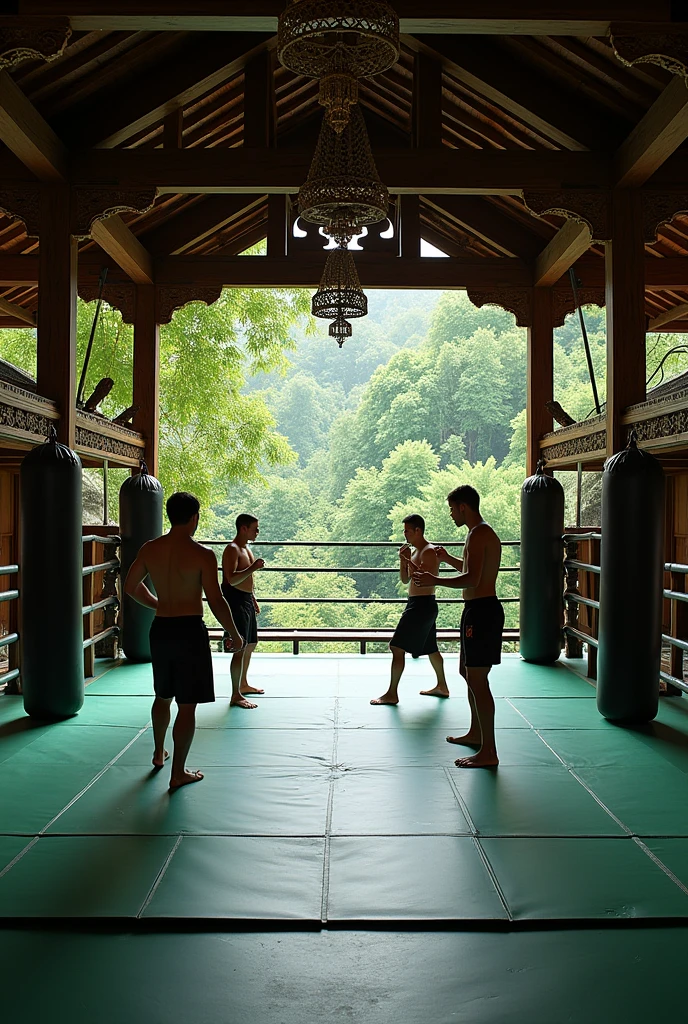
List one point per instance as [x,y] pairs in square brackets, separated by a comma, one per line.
[631,583]
[51,583]
[542,567]
[140,520]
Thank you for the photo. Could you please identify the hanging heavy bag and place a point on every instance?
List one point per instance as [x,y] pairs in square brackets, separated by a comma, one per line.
[140,520]
[631,575]
[51,582]
[542,567]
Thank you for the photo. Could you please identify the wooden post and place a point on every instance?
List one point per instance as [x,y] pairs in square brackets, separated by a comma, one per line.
[56,321]
[626,324]
[409,226]
[172,129]
[277,225]
[147,373]
[426,110]
[259,102]
[540,379]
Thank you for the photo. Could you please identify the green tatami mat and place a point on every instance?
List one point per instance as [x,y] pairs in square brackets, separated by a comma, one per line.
[516,678]
[32,796]
[582,878]
[242,878]
[652,746]
[271,713]
[561,713]
[585,976]
[96,745]
[10,846]
[248,748]
[673,853]
[396,801]
[410,877]
[89,876]
[386,748]
[229,801]
[414,712]
[531,801]
[649,801]
[18,732]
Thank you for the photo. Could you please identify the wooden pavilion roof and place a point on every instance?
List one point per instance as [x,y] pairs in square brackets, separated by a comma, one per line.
[143,91]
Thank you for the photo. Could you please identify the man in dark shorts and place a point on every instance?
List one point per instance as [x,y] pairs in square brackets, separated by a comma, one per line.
[482,622]
[416,633]
[238,567]
[180,570]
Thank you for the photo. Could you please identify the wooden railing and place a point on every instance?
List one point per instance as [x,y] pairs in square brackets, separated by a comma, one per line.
[582,595]
[100,602]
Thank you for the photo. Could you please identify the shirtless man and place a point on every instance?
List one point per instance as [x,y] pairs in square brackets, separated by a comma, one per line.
[238,567]
[482,622]
[416,630]
[180,570]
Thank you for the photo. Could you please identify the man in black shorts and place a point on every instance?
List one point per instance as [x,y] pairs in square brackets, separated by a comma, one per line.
[238,567]
[180,570]
[416,633]
[482,622]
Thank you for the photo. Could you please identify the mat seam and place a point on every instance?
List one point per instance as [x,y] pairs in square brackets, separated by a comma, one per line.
[660,864]
[29,846]
[325,885]
[159,877]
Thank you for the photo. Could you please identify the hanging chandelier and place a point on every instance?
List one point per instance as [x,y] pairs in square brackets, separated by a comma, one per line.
[339,294]
[338,41]
[343,191]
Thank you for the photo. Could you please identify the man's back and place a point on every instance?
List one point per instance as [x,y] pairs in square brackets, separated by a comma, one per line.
[175,565]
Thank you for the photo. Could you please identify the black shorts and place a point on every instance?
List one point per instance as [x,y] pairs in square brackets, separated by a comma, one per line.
[482,625]
[182,663]
[243,611]
[416,631]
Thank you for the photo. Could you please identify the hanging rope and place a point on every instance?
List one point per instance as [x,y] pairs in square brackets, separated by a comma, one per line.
[586,343]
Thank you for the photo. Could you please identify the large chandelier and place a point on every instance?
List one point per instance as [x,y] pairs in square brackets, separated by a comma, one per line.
[340,294]
[343,191]
[338,41]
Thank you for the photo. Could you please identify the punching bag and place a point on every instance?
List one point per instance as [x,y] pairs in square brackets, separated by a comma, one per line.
[140,520]
[631,583]
[51,583]
[542,567]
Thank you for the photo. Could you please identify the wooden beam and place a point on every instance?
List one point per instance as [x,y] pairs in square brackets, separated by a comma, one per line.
[515,86]
[483,220]
[540,375]
[118,241]
[660,132]
[24,131]
[625,305]
[571,241]
[18,312]
[421,171]
[146,374]
[668,316]
[196,223]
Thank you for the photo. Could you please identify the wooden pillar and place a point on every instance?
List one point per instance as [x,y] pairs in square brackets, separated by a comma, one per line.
[259,102]
[147,373]
[56,321]
[540,379]
[626,324]
[409,226]
[277,225]
[427,102]
[172,129]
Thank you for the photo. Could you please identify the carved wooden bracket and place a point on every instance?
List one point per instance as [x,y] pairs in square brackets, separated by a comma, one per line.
[119,296]
[515,300]
[661,208]
[563,302]
[37,39]
[585,207]
[91,204]
[24,204]
[667,50]
[170,297]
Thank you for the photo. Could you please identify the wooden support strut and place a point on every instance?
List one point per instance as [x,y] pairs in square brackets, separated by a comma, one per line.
[147,373]
[540,378]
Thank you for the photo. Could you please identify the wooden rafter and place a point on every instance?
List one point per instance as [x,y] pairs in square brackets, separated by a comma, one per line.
[655,137]
[668,316]
[197,223]
[24,131]
[571,241]
[18,312]
[481,219]
[119,242]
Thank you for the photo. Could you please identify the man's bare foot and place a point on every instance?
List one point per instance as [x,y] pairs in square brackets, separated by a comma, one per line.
[437,691]
[157,763]
[466,741]
[250,689]
[186,778]
[241,702]
[478,760]
[385,699]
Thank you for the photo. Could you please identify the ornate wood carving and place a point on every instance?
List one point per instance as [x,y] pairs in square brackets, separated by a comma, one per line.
[515,300]
[668,51]
[661,208]
[661,426]
[22,203]
[585,207]
[119,296]
[108,445]
[563,302]
[24,419]
[91,204]
[174,296]
[584,445]
[34,39]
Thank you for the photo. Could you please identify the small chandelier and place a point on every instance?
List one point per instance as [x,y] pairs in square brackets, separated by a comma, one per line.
[343,190]
[338,41]
[339,294]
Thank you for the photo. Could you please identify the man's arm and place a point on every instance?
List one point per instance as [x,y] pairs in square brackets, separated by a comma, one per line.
[135,587]
[405,563]
[230,559]
[216,601]
[473,562]
[444,556]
